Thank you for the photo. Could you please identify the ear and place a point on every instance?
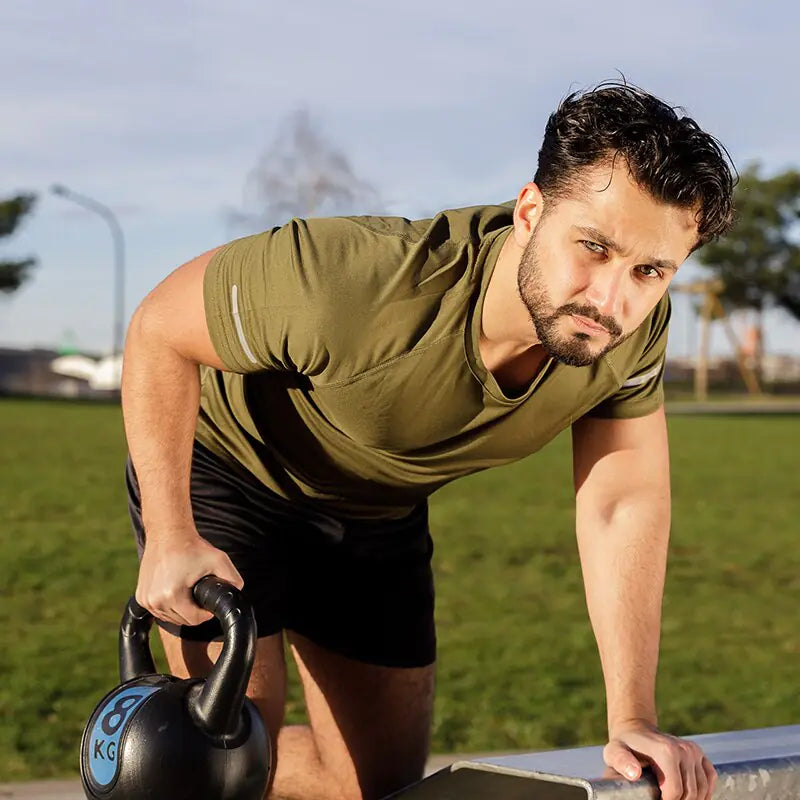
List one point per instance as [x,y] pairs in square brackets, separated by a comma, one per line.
[527,212]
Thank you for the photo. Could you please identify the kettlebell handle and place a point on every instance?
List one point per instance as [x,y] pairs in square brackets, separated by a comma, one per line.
[217,707]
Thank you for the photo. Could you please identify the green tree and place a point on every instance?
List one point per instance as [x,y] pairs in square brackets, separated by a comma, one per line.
[759,259]
[12,211]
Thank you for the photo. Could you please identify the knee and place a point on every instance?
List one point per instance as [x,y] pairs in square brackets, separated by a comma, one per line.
[382,779]
[302,770]
[377,790]
[388,785]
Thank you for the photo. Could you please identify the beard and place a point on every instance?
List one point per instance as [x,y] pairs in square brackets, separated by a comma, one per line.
[573,349]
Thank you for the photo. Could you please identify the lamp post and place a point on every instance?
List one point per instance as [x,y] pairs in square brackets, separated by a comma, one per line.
[119,256]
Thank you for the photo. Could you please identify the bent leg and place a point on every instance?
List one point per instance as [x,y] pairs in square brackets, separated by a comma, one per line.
[370,725]
[267,686]
[369,733]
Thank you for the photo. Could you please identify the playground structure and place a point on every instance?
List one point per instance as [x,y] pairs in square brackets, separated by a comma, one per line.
[711,309]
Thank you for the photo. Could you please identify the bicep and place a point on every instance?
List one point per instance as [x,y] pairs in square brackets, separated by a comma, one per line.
[618,458]
[174,313]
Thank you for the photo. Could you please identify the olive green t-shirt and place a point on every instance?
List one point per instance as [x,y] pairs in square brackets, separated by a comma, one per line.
[355,382]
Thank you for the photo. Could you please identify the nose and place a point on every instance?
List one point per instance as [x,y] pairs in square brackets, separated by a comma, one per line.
[605,292]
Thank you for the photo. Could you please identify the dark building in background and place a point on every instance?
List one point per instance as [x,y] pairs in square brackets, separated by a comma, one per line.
[29,373]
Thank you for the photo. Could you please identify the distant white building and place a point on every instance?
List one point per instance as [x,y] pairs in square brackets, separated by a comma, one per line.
[103,374]
[42,372]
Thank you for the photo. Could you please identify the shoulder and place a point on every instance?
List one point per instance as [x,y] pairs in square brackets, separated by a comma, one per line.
[391,256]
[449,227]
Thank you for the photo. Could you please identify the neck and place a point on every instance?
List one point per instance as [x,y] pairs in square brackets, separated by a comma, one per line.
[505,321]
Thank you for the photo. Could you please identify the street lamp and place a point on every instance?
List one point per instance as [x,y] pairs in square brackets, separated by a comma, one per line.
[119,256]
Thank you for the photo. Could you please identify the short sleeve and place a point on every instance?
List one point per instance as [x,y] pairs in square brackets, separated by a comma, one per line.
[259,294]
[642,388]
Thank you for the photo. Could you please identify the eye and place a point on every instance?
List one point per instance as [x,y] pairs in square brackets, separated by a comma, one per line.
[593,247]
[648,272]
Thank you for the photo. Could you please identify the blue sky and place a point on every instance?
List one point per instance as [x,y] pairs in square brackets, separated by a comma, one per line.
[159,110]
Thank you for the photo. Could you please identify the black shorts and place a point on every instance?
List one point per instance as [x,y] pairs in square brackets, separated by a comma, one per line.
[361,588]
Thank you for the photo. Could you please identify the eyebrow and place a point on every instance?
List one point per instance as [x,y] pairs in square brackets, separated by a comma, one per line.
[606,241]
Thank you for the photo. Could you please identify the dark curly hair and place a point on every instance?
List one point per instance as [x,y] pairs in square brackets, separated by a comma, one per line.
[667,155]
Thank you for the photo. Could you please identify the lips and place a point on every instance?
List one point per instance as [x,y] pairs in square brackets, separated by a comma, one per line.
[587,324]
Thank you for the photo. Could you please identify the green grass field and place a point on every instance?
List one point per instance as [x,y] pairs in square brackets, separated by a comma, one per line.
[517,667]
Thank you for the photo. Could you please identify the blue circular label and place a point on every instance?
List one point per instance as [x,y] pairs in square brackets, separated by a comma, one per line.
[111,720]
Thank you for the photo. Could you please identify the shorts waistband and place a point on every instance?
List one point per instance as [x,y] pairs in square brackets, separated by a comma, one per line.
[332,526]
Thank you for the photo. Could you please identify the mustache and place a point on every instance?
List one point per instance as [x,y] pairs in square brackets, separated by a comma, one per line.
[590,312]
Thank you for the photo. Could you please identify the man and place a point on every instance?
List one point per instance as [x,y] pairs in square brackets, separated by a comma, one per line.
[346,368]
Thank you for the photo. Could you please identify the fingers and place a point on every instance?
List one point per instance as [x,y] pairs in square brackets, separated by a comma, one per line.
[688,774]
[620,758]
[700,775]
[680,767]
[228,572]
[169,570]
[176,606]
[669,774]
[700,780]
[709,779]
[689,778]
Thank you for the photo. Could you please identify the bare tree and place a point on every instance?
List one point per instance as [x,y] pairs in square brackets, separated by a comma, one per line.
[302,174]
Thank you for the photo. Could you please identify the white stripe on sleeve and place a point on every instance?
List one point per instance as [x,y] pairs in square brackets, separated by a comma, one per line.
[238,323]
[639,380]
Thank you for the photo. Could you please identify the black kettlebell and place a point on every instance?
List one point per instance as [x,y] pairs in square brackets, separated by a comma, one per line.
[156,736]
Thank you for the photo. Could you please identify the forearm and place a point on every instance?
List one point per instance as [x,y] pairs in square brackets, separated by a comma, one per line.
[160,400]
[623,555]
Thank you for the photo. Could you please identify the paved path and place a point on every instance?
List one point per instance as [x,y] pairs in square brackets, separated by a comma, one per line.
[43,790]
[71,790]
